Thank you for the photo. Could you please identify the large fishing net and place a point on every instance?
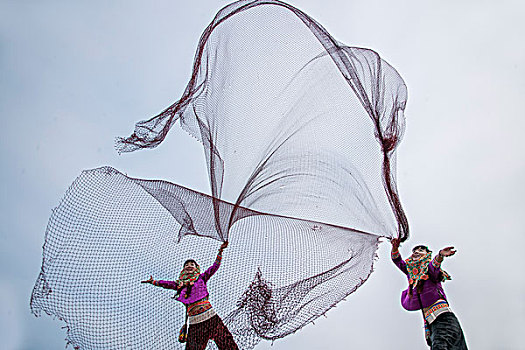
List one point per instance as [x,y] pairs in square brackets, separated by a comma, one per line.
[299,133]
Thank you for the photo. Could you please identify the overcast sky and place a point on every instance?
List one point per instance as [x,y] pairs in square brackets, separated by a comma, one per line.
[76,74]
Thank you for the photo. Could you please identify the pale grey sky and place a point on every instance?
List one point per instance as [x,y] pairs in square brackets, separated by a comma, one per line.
[74,75]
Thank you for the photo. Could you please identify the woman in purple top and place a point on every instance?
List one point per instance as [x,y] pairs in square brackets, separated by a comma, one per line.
[424,292]
[204,323]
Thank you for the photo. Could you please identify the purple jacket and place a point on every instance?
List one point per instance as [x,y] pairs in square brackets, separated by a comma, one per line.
[199,290]
[432,289]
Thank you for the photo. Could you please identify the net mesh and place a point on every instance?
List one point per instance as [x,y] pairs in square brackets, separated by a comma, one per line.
[299,133]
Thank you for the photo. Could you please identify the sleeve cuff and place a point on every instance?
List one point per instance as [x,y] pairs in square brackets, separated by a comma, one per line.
[436,263]
[395,255]
[219,258]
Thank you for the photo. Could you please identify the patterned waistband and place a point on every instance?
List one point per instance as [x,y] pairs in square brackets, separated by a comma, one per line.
[436,309]
[204,316]
[198,307]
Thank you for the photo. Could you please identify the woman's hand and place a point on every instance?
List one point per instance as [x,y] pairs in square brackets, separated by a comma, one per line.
[448,251]
[223,246]
[395,244]
[148,281]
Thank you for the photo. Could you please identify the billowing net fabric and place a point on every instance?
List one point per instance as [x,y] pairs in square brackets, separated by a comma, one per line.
[299,133]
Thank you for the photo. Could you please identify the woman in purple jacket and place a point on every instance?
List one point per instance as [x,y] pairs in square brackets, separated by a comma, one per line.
[442,328]
[204,323]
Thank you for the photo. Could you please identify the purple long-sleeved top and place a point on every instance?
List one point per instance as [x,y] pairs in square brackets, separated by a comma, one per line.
[199,289]
[432,289]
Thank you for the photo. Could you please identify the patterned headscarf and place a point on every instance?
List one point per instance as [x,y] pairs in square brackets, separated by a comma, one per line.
[188,278]
[418,269]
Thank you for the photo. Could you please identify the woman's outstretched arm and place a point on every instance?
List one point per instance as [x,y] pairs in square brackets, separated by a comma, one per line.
[213,268]
[164,284]
[434,267]
[396,257]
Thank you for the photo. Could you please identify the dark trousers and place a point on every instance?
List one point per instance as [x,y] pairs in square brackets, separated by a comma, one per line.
[446,333]
[200,333]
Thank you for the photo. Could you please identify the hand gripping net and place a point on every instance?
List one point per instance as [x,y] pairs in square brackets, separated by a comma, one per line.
[299,133]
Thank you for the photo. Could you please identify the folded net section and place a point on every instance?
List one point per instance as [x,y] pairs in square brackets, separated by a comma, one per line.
[111,231]
[292,122]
